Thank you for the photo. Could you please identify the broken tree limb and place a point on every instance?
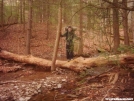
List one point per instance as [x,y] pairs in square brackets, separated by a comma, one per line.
[79,64]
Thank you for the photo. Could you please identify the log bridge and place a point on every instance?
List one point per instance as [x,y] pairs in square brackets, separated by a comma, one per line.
[77,65]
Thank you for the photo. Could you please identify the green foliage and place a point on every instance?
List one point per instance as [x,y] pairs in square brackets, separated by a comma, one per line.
[125,49]
[84,73]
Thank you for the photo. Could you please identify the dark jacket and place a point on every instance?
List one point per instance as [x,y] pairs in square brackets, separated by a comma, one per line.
[69,37]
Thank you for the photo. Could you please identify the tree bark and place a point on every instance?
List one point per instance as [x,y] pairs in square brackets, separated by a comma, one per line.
[125,24]
[133,26]
[53,68]
[76,65]
[29,28]
[80,52]
[1,14]
[21,8]
[47,22]
[23,16]
[116,26]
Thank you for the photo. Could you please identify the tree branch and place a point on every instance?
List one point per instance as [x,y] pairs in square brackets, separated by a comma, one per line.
[120,6]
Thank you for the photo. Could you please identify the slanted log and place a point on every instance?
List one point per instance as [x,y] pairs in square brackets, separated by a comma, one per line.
[78,64]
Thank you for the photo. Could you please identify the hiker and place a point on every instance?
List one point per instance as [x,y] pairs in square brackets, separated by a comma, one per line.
[70,35]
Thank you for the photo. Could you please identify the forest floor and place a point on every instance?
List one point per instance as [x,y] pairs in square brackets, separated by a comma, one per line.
[33,83]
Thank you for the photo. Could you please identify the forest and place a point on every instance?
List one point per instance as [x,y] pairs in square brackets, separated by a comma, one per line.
[66,50]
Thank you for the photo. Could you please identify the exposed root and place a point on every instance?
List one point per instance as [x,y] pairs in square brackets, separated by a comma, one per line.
[107,93]
[113,78]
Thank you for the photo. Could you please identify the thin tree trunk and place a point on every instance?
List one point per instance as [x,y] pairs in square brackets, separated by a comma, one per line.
[133,26]
[17,11]
[29,28]
[65,19]
[125,24]
[11,12]
[23,16]
[89,19]
[53,68]
[44,11]
[80,52]
[1,14]
[40,14]
[21,5]
[116,26]
[132,22]
[47,23]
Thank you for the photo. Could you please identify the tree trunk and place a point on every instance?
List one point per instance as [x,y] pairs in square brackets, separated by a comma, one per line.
[65,8]
[76,65]
[1,13]
[40,14]
[89,19]
[116,26]
[132,22]
[29,28]
[80,52]
[57,37]
[16,8]
[11,12]
[47,22]
[125,24]
[23,16]
[21,8]
[133,26]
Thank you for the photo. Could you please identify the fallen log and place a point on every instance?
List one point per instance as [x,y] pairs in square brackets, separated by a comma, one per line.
[79,64]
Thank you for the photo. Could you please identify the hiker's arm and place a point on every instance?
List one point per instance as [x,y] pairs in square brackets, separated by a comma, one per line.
[63,35]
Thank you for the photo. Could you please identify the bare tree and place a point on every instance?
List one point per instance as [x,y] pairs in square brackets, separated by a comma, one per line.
[125,23]
[29,28]
[132,25]
[57,37]
[116,26]
[1,13]
[21,8]
[80,52]
[23,15]
[47,22]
